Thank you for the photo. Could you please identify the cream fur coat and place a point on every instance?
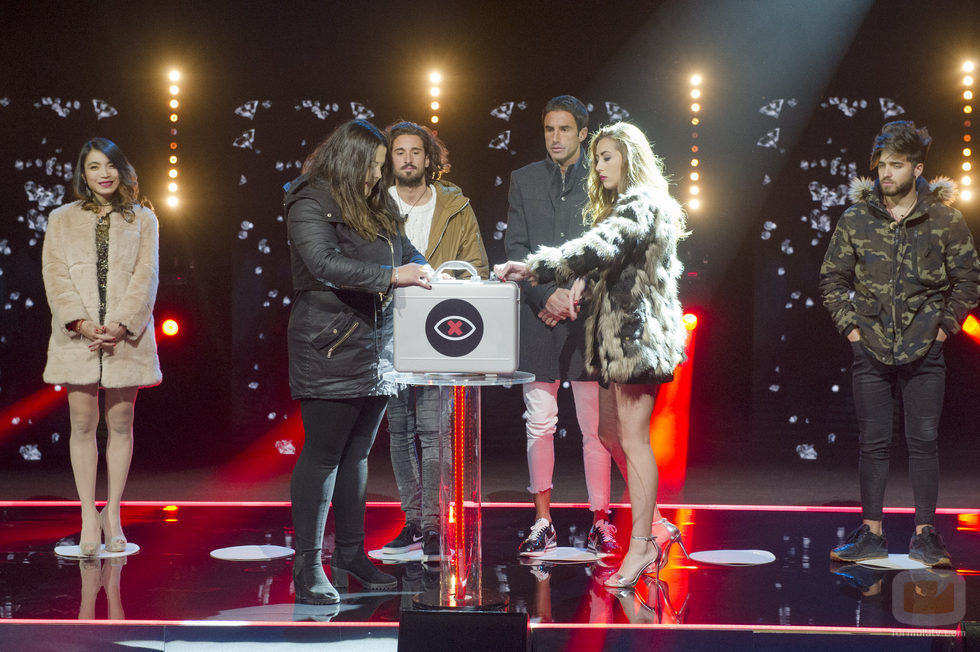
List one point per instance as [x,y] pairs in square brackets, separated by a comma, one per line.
[633,331]
[68,266]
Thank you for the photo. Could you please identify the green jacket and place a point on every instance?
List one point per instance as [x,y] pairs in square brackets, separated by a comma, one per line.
[899,282]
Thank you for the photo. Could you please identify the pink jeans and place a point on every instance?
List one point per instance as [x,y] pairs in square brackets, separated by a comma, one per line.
[541,418]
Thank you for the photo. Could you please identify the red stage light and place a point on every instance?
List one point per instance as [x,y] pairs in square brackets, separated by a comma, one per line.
[972,328]
[690,321]
[170,327]
[31,407]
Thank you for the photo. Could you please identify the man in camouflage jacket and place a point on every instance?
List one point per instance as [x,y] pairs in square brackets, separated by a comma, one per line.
[900,275]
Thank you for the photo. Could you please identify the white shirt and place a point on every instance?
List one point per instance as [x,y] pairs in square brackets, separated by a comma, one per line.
[418,220]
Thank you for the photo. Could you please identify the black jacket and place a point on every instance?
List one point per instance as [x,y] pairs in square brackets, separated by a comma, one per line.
[546,209]
[340,332]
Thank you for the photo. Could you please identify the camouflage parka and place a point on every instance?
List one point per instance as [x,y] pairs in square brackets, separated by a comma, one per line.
[899,282]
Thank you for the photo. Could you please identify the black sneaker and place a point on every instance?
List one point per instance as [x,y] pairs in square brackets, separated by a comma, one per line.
[927,548]
[861,544]
[540,539]
[431,548]
[859,577]
[602,539]
[410,538]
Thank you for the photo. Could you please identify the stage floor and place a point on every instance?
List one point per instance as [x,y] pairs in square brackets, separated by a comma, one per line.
[174,579]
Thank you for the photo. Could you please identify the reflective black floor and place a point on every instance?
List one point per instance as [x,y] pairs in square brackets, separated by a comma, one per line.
[173,577]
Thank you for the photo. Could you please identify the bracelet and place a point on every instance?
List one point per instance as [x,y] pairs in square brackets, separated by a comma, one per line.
[75,326]
[395,284]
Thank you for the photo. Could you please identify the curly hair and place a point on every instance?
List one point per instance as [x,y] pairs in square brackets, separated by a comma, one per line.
[127,194]
[435,150]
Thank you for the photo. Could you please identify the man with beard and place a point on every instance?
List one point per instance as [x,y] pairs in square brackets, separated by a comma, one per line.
[440,223]
[900,275]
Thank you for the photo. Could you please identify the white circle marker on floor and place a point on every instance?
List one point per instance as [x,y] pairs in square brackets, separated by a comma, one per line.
[252,553]
[734,557]
[74,552]
[894,562]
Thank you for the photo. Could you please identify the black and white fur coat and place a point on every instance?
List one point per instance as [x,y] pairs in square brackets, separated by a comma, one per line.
[633,330]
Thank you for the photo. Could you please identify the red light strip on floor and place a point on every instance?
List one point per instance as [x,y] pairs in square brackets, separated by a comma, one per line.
[281,503]
[788,629]
[459,442]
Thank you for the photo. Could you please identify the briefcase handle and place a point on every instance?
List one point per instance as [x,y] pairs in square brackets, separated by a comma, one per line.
[459,265]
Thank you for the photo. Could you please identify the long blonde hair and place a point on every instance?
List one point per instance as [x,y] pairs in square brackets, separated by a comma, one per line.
[641,168]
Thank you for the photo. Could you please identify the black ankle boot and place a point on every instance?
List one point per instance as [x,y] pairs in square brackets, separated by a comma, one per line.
[355,563]
[312,585]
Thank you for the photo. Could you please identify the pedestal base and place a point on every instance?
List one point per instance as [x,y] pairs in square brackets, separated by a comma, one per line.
[488,601]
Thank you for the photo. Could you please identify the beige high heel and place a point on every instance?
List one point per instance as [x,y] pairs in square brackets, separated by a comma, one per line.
[618,581]
[112,544]
[88,548]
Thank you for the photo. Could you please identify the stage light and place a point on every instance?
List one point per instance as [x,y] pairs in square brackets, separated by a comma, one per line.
[170,508]
[968,81]
[966,195]
[172,187]
[695,176]
[174,104]
[967,66]
[694,149]
[170,327]
[966,180]
[966,138]
[966,151]
[695,121]
[694,204]
[174,75]
[967,95]
[434,106]
[434,91]
[173,145]
[434,119]
[690,321]
[695,107]
[967,109]
[171,201]
[966,166]
[695,80]
[695,190]
[435,78]
[696,93]
[173,117]
[172,173]
[694,163]
[173,160]
[174,89]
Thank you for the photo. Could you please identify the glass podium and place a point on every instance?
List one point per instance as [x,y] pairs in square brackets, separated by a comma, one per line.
[461,571]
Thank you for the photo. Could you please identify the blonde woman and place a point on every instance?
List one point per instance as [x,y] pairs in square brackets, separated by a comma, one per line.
[626,273]
[100,269]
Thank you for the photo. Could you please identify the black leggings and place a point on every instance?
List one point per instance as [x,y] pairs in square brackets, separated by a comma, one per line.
[333,468]
[922,385]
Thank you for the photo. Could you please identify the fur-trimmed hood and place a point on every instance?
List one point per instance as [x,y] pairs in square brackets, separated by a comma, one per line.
[941,189]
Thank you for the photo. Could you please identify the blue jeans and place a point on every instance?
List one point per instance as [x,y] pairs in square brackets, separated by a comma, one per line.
[921,385]
[415,412]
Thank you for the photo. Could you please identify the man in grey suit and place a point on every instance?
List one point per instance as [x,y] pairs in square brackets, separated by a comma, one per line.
[546,200]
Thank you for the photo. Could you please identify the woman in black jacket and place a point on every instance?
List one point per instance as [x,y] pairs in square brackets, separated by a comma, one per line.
[347,254]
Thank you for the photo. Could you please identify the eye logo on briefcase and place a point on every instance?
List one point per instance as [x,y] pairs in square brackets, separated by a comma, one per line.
[454,327]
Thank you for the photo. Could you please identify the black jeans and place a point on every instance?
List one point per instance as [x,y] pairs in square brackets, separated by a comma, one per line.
[333,468]
[921,384]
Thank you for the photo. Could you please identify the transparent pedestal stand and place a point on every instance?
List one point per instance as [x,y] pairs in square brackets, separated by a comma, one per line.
[461,571]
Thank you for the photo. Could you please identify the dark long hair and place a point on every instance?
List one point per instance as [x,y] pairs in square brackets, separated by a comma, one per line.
[339,164]
[127,195]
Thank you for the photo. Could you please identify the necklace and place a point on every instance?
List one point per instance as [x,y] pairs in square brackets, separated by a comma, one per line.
[402,204]
[894,211]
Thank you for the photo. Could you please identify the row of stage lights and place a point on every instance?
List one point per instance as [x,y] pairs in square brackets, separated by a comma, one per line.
[967,164]
[435,78]
[174,104]
[694,189]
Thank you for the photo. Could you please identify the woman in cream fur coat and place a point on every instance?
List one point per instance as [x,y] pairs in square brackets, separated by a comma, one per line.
[100,270]
[625,271]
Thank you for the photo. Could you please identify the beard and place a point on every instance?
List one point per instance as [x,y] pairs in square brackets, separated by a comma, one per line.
[900,190]
[409,178]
